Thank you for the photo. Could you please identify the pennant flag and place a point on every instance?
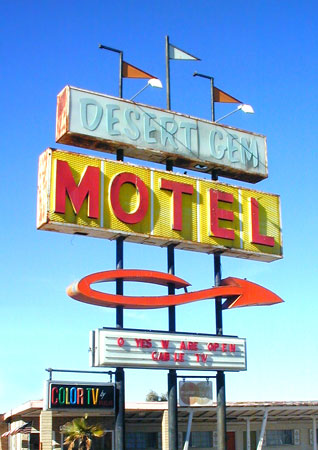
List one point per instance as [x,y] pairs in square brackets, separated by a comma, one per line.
[223,97]
[130,71]
[176,53]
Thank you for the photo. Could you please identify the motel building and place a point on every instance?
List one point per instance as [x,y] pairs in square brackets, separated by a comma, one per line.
[284,425]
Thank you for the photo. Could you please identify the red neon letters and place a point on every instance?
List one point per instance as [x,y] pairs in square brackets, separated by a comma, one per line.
[141,211]
[258,238]
[178,352]
[88,186]
[177,190]
[218,213]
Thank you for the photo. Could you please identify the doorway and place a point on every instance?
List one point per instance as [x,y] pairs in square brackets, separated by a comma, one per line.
[230,440]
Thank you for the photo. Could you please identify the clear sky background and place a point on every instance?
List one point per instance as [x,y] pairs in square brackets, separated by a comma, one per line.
[263,52]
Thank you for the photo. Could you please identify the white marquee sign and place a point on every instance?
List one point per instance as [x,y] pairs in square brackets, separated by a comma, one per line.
[160,350]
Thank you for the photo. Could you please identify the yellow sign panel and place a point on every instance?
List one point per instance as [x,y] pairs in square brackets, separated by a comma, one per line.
[102,198]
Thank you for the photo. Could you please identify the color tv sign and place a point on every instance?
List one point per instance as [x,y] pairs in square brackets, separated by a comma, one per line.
[100,122]
[63,395]
[97,197]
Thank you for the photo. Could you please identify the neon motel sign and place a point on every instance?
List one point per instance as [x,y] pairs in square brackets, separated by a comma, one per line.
[100,122]
[97,197]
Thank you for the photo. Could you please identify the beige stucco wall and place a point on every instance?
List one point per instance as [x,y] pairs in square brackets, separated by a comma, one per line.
[46,430]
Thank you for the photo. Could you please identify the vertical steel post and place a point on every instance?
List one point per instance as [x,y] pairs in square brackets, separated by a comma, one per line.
[120,375]
[120,410]
[172,375]
[220,377]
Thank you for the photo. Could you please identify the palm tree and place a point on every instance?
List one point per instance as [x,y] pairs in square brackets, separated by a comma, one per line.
[79,430]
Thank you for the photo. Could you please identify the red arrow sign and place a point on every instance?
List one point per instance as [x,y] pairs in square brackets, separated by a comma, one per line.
[237,292]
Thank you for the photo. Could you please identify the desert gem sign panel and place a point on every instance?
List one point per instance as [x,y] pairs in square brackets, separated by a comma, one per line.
[161,350]
[102,198]
[100,122]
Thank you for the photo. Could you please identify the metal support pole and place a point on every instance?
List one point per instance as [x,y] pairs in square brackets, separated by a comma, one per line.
[120,410]
[120,375]
[221,410]
[172,410]
[172,375]
[220,377]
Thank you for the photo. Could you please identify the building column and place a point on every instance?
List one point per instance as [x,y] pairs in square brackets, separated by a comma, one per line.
[165,430]
[46,424]
[248,434]
[314,433]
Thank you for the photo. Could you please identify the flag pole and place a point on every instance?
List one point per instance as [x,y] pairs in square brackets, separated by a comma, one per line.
[121,74]
[168,74]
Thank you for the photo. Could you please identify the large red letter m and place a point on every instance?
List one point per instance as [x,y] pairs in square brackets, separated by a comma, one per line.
[87,187]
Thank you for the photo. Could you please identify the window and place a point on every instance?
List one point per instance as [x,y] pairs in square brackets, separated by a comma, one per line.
[279,437]
[199,439]
[142,440]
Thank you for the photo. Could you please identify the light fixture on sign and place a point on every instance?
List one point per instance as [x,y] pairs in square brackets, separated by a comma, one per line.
[153,82]
[245,108]
[201,167]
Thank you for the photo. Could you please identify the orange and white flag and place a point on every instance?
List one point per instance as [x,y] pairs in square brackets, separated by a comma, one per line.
[130,71]
[223,97]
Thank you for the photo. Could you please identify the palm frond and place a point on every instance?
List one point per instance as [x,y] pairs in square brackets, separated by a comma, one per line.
[79,430]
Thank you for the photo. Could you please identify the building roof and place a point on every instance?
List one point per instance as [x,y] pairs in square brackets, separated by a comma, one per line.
[151,412]
[235,412]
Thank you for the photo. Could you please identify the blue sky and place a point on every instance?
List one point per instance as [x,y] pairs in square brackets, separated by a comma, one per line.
[264,53]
